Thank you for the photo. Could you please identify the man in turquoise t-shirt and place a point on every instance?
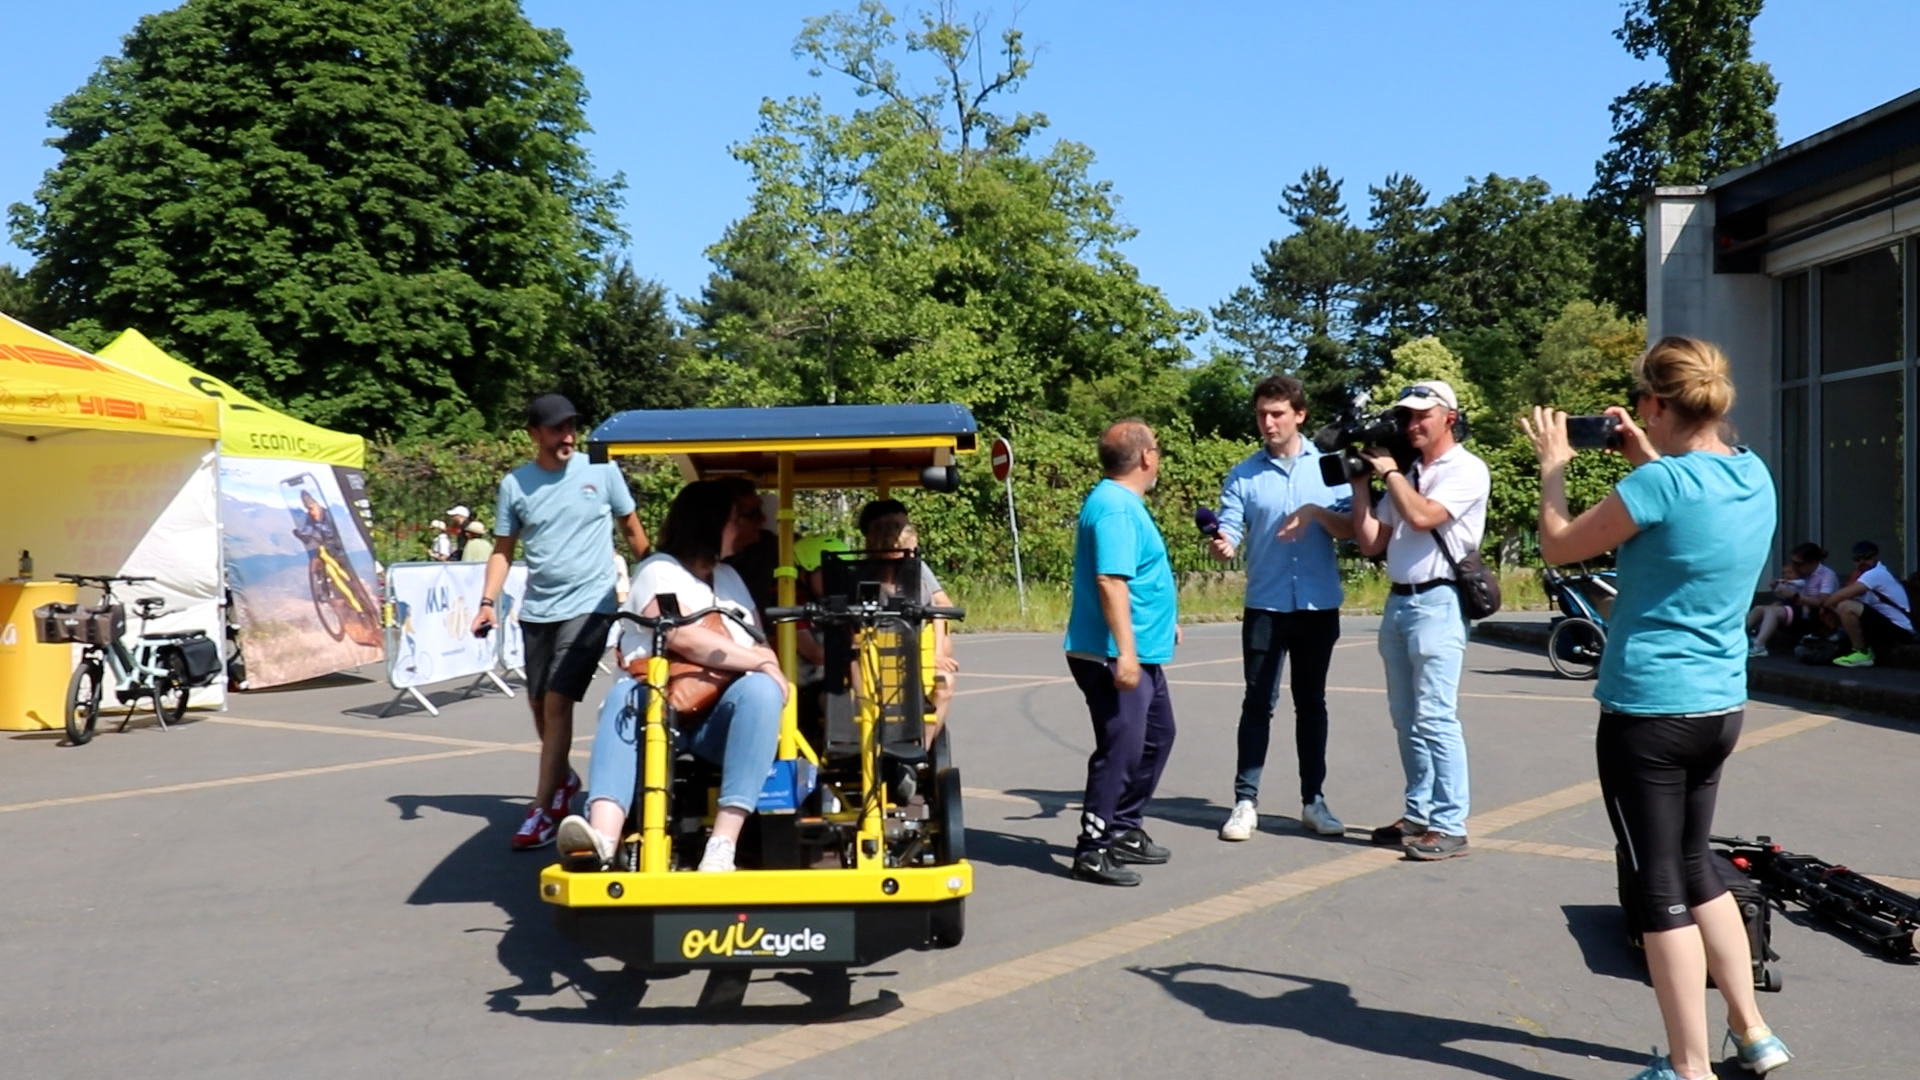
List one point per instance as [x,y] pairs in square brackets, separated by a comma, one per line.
[561,508]
[1122,629]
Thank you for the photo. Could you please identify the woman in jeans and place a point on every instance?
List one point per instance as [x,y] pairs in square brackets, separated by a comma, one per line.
[742,732]
[1692,524]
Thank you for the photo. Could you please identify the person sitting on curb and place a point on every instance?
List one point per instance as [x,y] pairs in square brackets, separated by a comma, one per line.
[1797,592]
[1874,608]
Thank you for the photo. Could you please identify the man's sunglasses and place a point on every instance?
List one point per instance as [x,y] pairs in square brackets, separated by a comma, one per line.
[1421,392]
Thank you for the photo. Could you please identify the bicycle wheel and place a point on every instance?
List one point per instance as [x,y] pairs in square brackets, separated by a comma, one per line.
[170,689]
[1575,647]
[83,700]
[325,600]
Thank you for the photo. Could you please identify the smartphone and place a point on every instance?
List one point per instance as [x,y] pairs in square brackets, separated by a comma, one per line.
[1594,433]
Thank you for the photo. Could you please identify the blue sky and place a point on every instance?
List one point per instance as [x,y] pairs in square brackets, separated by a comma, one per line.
[1199,112]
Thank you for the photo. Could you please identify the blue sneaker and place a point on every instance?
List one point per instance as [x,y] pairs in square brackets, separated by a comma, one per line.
[1763,1054]
[1657,1069]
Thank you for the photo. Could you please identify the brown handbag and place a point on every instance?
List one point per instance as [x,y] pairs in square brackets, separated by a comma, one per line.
[693,689]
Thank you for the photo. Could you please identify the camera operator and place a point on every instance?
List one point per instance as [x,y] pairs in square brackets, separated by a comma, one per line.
[1692,524]
[1423,632]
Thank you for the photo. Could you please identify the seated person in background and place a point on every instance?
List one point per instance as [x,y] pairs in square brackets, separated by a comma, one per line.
[759,551]
[741,733]
[890,536]
[1796,598]
[1874,608]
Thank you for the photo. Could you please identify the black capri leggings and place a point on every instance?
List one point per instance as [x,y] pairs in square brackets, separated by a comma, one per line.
[1659,776]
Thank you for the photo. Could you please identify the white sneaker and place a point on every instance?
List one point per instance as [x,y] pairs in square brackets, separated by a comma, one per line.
[1755,649]
[718,858]
[576,835]
[1317,817]
[1242,823]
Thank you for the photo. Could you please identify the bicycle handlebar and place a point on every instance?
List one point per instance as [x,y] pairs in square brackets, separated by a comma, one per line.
[670,622]
[822,613]
[103,579]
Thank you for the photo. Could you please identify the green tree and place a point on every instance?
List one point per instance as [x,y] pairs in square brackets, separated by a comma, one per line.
[1426,358]
[17,296]
[1399,303]
[1713,112]
[916,249]
[1301,315]
[628,352]
[377,216]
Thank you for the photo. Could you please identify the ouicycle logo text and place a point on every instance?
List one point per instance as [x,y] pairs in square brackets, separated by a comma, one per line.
[741,939]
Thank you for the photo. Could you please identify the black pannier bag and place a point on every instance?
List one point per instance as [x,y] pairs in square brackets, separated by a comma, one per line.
[201,657]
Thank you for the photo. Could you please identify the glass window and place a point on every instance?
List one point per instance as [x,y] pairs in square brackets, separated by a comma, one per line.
[1793,328]
[1795,499]
[1862,462]
[1860,311]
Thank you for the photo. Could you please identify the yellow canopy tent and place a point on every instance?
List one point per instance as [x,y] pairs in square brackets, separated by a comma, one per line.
[294,524]
[248,428]
[103,471]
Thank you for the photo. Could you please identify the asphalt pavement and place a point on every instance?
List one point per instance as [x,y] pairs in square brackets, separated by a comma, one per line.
[298,887]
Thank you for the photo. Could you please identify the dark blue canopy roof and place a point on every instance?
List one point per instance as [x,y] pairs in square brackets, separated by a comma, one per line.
[782,424]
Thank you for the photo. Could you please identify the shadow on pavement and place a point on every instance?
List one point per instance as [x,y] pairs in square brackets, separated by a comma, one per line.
[1017,852]
[1542,672]
[1601,932]
[553,981]
[1326,1010]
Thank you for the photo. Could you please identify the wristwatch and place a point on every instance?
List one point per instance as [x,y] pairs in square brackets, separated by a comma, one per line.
[486,601]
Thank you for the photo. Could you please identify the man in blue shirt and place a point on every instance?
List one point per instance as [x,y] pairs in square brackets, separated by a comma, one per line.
[1288,517]
[561,507]
[1122,630]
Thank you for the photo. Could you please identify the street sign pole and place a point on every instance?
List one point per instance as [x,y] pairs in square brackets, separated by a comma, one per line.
[1001,455]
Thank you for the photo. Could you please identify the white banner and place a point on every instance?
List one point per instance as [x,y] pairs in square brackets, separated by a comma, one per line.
[513,643]
[431,636]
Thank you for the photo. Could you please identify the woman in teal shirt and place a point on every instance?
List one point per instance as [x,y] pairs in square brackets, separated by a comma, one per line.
[1692,524]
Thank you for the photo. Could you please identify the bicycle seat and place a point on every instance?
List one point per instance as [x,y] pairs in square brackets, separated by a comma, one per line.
[172,635]
[149,607]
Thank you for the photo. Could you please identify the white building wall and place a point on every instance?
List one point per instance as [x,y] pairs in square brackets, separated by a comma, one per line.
[1734,311]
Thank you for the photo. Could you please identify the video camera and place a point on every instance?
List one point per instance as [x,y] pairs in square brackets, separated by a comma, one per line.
[1340,444]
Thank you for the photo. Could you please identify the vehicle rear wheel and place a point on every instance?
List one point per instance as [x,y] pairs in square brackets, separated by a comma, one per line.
[948,923]
[171,688]
[950,837]
[83,701]
[1575,647]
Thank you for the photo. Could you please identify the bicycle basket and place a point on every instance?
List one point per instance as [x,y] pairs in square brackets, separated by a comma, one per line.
[58,624]
[105,624]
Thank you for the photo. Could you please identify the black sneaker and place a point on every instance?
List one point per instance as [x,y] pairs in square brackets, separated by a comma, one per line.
[1101,868]
[1435,846]
[1398,834]
[1135,846]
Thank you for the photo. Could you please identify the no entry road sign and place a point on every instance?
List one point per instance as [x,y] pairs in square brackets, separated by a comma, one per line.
[1001,455]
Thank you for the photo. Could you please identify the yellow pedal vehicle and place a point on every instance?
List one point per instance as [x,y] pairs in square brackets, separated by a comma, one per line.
[857,848]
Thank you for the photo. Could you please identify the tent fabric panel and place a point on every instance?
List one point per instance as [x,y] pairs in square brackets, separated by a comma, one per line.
[47,384]
[248,428]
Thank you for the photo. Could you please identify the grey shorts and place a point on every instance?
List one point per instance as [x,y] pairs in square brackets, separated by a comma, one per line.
[561,655]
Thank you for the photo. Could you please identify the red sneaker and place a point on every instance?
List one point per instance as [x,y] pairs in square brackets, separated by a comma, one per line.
[564,795]
[536,831]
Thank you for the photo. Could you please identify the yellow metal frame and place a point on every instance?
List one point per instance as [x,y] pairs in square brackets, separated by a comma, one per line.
[653,885]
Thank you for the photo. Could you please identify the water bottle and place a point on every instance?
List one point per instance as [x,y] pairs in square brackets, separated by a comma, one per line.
[26,565]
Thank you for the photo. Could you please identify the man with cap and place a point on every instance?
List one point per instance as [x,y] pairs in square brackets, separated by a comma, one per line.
[1423,523]
[561,507]
[1875,609]
[477,547]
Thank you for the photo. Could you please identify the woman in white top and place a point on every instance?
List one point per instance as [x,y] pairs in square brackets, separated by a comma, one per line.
[742,732]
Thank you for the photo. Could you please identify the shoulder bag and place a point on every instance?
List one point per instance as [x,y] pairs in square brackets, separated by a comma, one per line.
[693,689]
[1479,588]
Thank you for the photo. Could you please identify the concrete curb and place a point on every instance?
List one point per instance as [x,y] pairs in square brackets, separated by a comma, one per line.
[1894,693]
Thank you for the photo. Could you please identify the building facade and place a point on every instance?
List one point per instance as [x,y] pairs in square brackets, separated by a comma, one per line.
[1801,267]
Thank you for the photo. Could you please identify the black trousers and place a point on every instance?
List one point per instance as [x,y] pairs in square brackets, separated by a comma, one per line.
[1659,776]
[1132,738]
[1266,637]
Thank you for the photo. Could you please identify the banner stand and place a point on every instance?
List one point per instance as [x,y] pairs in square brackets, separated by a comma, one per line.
[427,616]
[472,688]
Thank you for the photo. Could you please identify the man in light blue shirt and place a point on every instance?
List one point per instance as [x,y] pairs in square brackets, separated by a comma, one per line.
[562,509]
[1121,632]
[1277,503]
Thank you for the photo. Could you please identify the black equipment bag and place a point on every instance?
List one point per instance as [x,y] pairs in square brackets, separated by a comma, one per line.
[1479,587]
[1754,911]
[201,658]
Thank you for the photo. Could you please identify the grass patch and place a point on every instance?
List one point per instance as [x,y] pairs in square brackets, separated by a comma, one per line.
[994,606]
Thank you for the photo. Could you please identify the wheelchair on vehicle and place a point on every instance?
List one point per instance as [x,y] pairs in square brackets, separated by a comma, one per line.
[1584,599]
[856,850]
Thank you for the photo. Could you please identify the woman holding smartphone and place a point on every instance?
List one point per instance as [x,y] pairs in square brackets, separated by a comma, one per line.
[1692,524]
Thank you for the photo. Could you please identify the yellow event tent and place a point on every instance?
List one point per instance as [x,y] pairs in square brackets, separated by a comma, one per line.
[294,525]
[103,471]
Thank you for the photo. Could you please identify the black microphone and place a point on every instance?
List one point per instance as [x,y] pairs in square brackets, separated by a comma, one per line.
[1208,522]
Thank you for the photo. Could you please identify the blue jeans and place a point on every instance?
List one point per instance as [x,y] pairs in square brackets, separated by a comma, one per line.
[1423,641]
[741,735]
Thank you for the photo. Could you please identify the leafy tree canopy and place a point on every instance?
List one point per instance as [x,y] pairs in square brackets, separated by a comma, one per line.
[918,248]
[378,216]
[628,351]
[1713,112]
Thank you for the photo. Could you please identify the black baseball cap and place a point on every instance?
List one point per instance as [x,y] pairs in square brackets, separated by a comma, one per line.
[1866,549]
[550,410]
